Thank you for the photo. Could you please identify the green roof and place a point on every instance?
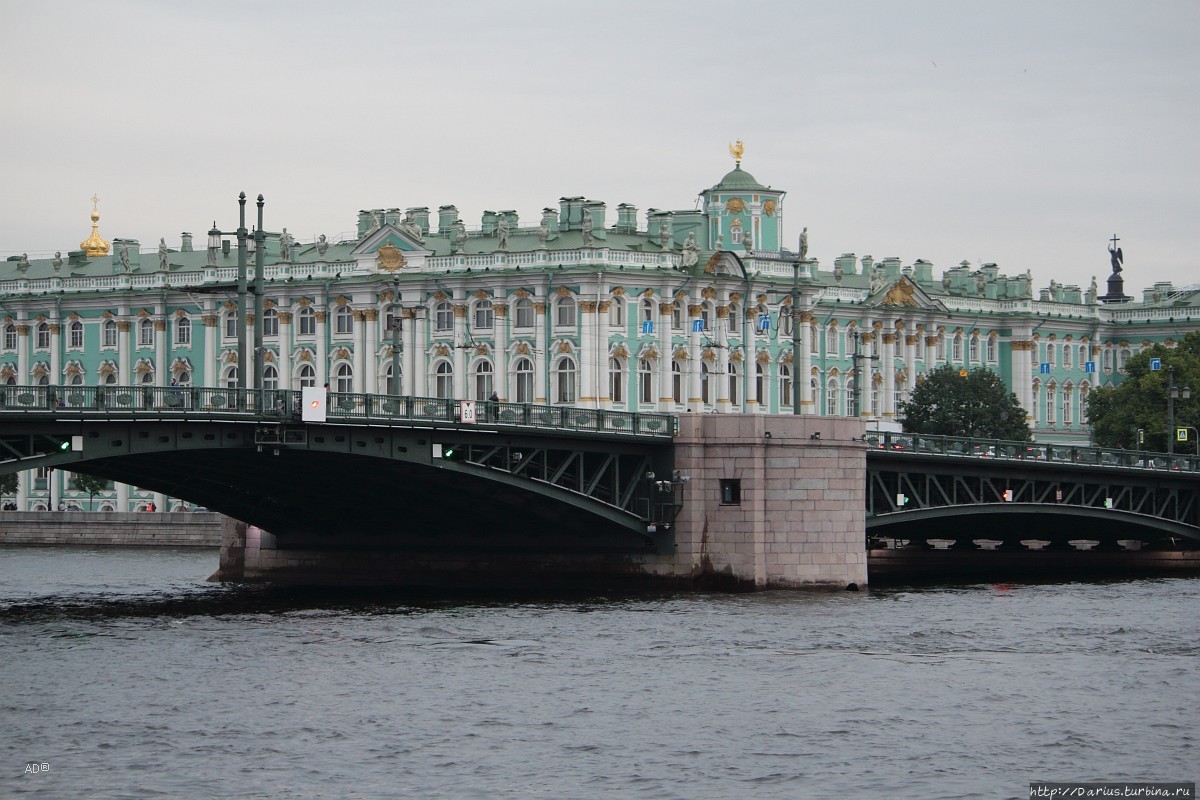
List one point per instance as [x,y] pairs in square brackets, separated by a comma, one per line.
[738,180]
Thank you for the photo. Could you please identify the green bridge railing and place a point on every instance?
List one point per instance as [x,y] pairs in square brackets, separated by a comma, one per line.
[187,402]
[973,447]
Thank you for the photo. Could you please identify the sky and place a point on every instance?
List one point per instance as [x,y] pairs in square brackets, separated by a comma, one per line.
[1021,133]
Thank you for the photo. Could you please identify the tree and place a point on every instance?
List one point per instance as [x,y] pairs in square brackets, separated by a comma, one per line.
[1140,401]
[9,483]
[90,484]
[946,403]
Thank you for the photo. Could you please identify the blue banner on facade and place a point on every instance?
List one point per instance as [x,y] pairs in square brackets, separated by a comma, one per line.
[647,326]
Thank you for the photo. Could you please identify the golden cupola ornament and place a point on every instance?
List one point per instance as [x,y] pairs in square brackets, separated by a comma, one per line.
[94,245]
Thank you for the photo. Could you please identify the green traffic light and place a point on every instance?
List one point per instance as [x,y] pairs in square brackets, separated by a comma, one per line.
[65,445]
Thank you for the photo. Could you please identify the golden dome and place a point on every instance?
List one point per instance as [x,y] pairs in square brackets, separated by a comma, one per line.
[94,245]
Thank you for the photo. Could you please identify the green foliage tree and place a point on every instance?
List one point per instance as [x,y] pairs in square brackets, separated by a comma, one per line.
[9,483]
[90,484]
[1139,402]
[947,404]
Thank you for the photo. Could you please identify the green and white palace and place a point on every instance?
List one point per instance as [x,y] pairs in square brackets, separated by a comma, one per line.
[585,305]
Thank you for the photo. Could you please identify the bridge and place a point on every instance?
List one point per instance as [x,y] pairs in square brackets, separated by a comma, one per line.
[773,499]
[400,471]
[955,491]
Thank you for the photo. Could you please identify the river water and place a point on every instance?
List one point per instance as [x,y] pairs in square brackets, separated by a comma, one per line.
[128,676]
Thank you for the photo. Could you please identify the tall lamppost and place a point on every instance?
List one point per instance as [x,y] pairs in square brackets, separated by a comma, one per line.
[1172,396]
[214,245]
[395,326]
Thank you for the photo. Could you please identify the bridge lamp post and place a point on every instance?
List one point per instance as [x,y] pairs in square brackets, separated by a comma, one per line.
[1172,396]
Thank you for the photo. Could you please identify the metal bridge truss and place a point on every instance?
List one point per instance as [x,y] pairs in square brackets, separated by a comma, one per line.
[625,481]
[895,490]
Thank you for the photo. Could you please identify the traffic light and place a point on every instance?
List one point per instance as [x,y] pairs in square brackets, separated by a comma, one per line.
[64,445]
[452,452]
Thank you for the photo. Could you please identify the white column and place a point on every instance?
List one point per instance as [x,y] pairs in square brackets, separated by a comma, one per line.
[161,367]
[589,389]
[500,379]
[361,359]
[930,352]
[56,376]
[889,374]
[371,350]
[122,496]
[417,353]
[408,373]
[541,365]
[24,481]
[462,381]
[285,349]
[802,366]
[23,378]
[1022,373]
[322,359]
[724,403]
[666,399]
[695,401]
[209,378]
[125,345]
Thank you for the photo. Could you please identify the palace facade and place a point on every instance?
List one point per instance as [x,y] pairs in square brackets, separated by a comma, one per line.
[667,311]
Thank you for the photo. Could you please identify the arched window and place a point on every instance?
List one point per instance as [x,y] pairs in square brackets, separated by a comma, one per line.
[1068,394]
[616,381]
[523,372]
[678,314]
[941,347]
[523,314]
[343,320]
[565,312]
[443,317]
[270,377]
[831,397]
[733,383]
[443,382]
[704,382]
[485,317]
[645,381]
[344,378]
[760,385]
[231,378]
[876,382]
[10,336]
[1083,354]
[991,349]
[44,380]
[306,376]
[785,387]
[1051,347]
[813,341]
[974,349]
[676,382]
[850,406]
[1051,403]
[785,321]
[307,321]
[111,378]
[733,319]
[183,330]
[183,378]
[389,380]
[1122,356]
[1084,389]
[483,380]
[706,316]
[270,322]
[565,380]
[831,340]
[75,334]
[231,324]
[616,312]
[647,306]
[958,351]
[43,335]
[146,333]
[75,380]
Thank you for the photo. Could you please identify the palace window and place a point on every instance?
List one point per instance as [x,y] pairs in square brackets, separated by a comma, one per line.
[389,380]
[647,307]
[704,382]
[308,321]
[831,340]
[616,382]
[991,349]
[10,337]
[706,316]
[785,321]
[345,378]
[1107,360]
[485,317]
[813,340]
[343,320]
[565,379]
[1067,356]
[524,377]
[974,349]
[678,312]
[184,378]
[616,312]
[43,336]
[565,312]
[676,382]
[1083,404]
[270,377]
[1051,403]
[523,314]
[270,322]
[183,330]
[831,397]
[1050,354]
[940,347]
[75,334]
[733,382]
[760,383]
[733,319]
[957,349]
[231,325]
[645,381]
[1067,396]
[1083,354]
[785,388]
[146,333]
[306,376]
[443,317]
[443,382]
[483,380]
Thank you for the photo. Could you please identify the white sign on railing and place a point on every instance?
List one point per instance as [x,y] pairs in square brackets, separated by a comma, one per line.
[466,412]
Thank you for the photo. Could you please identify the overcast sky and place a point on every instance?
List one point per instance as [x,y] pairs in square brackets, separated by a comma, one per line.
[1022,133]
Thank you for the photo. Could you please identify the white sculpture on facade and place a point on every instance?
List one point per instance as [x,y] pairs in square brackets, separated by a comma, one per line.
[691,252]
